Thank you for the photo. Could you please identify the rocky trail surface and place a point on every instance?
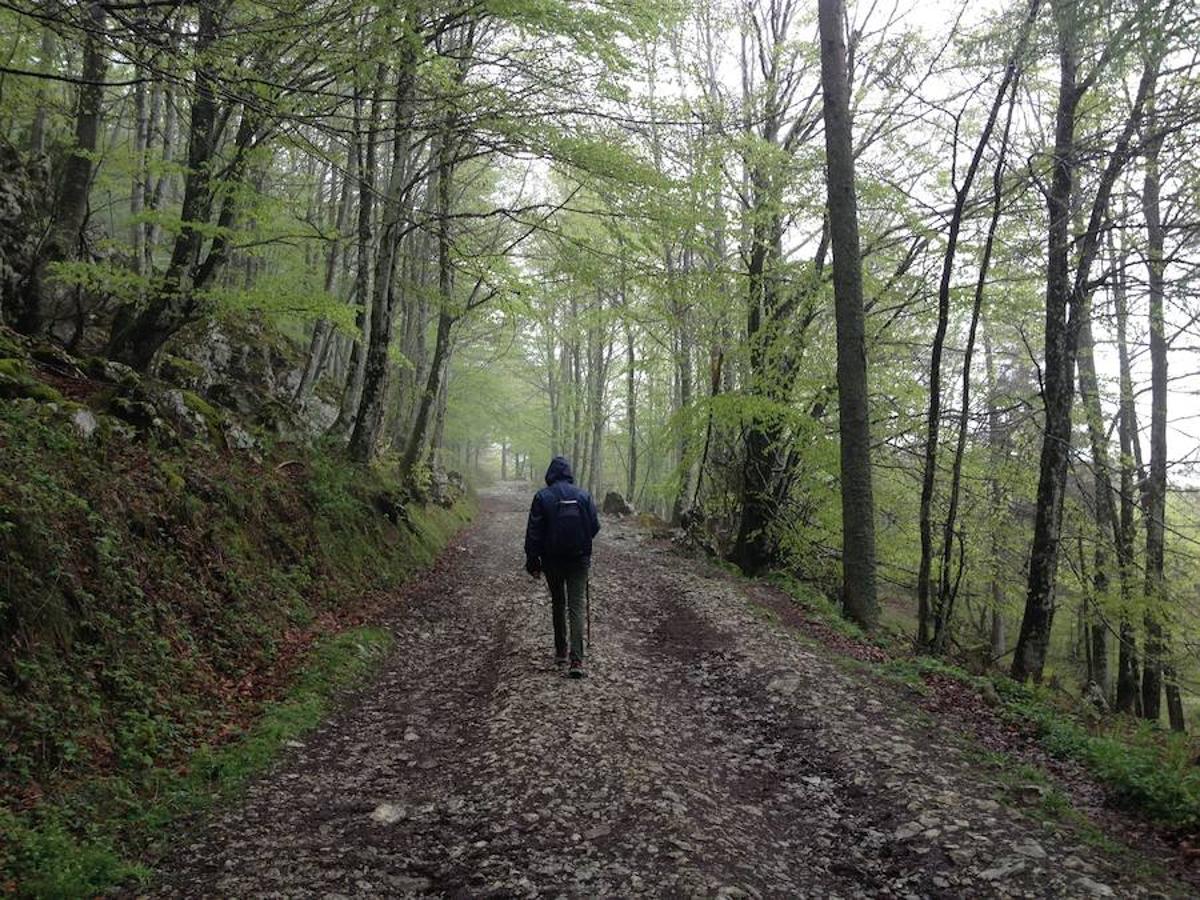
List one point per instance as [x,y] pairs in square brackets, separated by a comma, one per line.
[709,753]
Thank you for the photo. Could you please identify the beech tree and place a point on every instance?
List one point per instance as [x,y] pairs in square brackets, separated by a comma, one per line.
[858,505]
[1067,288]
[45,302]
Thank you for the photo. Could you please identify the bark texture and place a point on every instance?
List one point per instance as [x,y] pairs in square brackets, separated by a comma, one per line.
[858,505]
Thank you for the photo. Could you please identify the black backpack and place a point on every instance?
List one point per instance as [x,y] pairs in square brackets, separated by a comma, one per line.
[568,534]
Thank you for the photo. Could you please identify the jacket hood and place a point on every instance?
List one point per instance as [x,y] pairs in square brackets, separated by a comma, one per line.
[560,470]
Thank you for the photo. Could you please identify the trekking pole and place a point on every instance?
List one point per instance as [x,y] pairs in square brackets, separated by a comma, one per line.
[588,604]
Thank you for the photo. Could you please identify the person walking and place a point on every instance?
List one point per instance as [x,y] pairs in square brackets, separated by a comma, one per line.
[558,543]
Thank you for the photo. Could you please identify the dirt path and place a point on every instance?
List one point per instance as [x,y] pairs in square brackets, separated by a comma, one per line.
[709,753]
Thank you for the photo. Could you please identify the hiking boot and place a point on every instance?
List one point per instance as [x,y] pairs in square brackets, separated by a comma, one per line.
[576,670]
[561,660]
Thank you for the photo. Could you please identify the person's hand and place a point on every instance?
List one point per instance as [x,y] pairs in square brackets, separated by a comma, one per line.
[533,567]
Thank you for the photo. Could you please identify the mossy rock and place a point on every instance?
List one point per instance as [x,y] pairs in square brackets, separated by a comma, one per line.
[199,405]
[136,412]
[113,372]
[17,381]
[82,420]
[180,371]
[14,368]
[238,438]
[12,344]
[176,412]
[279,419]
[214,419]
[174,480]
[53,356]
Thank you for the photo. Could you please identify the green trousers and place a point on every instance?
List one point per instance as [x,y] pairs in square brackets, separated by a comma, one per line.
[568,596]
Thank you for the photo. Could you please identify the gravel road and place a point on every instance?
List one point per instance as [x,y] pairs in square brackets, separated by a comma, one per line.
[711,752]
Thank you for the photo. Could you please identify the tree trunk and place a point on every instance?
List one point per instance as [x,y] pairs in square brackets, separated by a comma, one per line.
[684,414]
[1128,699]
[853,419]
[437,433]
[601,359]
[1156,483]
[716,366]
[1174,700]
[554,389]
[323,328]
[71,211]
[1065,305]
[854,426]
[631,411]
[1107,524]
[437,365]
[754,548]
[933,418]
[71,202]
[441,348]
[566,393]
[585,471]
[576,393]
[998,451]
[1030,655]
[137,193]
[412,377]
[158,193]
[37,129]
[363,291]
[368,421]
[944,605]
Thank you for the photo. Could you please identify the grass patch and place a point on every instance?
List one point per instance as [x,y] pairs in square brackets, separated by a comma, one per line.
[44,860]
[43,857]
[911,671]
[817,604]
[1028,789]
[337,662]
[768,615]
[1144,767]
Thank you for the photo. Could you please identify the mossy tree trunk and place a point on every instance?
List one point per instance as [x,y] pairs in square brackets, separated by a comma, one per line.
[43,301]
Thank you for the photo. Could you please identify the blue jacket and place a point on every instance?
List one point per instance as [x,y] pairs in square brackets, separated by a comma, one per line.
[560,485]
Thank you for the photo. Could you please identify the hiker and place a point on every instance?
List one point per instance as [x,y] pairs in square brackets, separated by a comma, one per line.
[558,542]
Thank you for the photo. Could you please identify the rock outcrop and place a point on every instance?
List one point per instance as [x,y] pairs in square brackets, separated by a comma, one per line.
[615,505]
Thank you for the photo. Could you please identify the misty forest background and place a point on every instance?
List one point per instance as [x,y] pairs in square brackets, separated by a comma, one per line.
[488,232]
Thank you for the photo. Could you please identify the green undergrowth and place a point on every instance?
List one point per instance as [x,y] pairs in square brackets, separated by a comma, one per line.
[1029,789]
[817,604]
[169,614]
[825,610]
[1144,767]
[47,854]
